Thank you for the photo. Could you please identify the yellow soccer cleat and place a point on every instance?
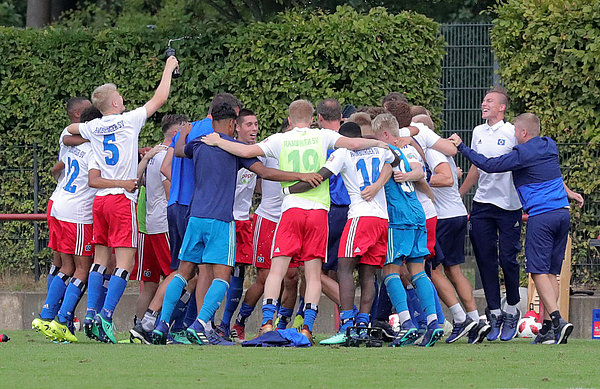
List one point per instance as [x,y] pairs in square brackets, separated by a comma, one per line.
[62,332]
[43,326]
[298,323]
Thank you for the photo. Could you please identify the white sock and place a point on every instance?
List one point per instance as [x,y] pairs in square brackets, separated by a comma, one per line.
[457,313]
[474,315]
[496,312]
[511,309]
[403,316]
[431,318]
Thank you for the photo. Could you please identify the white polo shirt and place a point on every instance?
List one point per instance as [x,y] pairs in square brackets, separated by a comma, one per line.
[495,188]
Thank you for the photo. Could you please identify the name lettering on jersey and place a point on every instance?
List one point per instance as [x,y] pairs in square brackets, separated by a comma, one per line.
[77,152]
[301,142]
[361,153]
[501,142]
[110,129]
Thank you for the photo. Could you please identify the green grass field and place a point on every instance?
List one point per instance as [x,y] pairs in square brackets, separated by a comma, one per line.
[28,360]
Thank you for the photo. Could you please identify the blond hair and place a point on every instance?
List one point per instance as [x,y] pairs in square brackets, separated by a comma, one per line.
[301,112]
[102,97]
[363,119]
[530,122]
[385,122]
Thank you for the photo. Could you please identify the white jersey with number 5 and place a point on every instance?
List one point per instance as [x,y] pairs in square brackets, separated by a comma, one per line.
[74,199]
[114,140]
[359,169]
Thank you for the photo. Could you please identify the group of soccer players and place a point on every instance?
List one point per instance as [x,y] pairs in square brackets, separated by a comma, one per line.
[386,202]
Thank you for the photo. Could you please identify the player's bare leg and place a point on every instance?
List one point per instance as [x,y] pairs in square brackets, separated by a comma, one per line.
[279,267]
[548,290]
[147,291]
[330,288]
[288,298]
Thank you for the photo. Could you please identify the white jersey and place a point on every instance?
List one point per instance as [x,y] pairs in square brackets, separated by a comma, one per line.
[359,169]
[495,188]
[62,149]
[74,200]
[114,140]
[447,200]
[244,190]
[413,156]
[156,199]
[270,203]
[426,136]
[324,138]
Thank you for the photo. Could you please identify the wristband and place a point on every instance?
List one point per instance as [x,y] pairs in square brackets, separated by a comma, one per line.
[286,191]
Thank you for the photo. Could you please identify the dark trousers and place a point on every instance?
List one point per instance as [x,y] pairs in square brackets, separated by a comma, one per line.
[177,216]
[496,237]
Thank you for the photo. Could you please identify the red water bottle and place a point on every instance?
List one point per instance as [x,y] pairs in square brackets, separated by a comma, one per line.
[4,338]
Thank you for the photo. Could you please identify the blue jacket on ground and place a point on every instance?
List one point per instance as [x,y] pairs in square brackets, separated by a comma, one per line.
[535,171]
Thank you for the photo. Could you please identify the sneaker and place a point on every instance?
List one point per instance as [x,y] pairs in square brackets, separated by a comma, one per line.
[359,336]
[433,334]
[137,332]
[179,337]
[562,332]
[298,323]
[407,335]
[223,331]
[197,333]
[306,332]
[268,327]
[387,331]
[479,332]
[547,338]
[460,329]
[238,333]
[62,332]
[339,338]
[89,327]
[43,326]
[509,326]
[160,333]
[495,323]
[106,330]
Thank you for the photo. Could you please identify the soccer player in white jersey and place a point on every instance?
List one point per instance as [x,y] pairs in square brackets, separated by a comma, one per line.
[72,210]
[114,141]
[302,230]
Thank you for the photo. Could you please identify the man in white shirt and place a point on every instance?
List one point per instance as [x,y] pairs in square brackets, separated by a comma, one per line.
[496,216]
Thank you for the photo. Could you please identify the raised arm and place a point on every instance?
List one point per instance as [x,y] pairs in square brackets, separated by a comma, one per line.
[147,157]
[95,180]
[503,163]
[162,92]
[386,172]
[165,168]
[179,150]
[312,179]
[73,140]
[73,128]
[235,148]
[300,187]
[359,143]
[445,146]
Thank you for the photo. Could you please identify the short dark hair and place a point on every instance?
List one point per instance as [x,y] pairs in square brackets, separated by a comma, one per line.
[285,124]
[401,112]
[223,111]
[243,113]
[372,111]
[330,109]
[500,90]
[170,120]
[74,102]
[224,98]
[351,130]
[90,113]
[394,96]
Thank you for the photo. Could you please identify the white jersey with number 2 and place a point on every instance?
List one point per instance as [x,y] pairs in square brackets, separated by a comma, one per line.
[114,140]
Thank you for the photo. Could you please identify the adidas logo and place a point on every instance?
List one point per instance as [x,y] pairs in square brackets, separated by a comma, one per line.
[276,250]
[516,224]
[357,250]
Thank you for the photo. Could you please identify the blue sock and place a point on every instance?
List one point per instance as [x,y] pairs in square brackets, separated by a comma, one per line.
[73,293]
[51,274]
[116,287]
[396,291]
[172,295]
[179,312]
[414,306]
[95,289]
[310,315]
[300,311]
[102,298]
[384,304]
[234,295]
[363,319]
[191,312]
[438,307]
[424,289]
[346,320]
[284,317]
[244,313]
[55,295]
[212,300]
[268,310]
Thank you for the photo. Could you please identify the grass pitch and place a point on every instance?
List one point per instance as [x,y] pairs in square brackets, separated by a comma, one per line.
[29,360]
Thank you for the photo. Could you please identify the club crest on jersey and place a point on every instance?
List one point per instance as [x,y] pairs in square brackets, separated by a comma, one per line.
[501,142]
[88,247]
[147,273]
[260,259]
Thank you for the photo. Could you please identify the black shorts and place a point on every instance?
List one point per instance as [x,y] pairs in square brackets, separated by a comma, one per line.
[451,234]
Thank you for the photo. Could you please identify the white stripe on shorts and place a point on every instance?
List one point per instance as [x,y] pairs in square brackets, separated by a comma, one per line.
[348,252]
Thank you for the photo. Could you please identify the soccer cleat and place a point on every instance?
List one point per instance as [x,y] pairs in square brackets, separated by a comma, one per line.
[137,332]
[238,333]
[562,332]
[547,338]
[196,333]
[160,332]
[265,328]
[306,332]
[387,331]
[339,338]
[223,331]
[106,330]
[479,332]
[179,337]
[298,323]
[495,323]
[43,326]
[407,335]
[90,328]
[433,334]
[62,332]
[460,329]
[509,326]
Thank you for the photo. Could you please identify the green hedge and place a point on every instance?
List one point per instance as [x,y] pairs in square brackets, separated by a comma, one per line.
[354,57]
[548,52]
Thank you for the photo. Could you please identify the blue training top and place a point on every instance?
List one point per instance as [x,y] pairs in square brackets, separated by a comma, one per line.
[182,169]
[215,172]
[404,209]
[337,190]
[535,171]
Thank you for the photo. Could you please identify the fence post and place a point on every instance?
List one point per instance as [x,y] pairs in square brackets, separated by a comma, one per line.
[36,230]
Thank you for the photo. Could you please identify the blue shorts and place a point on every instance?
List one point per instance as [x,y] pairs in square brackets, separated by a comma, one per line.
[451,234]
[546,240]
[209,241]
[177,216]
[406,245]
[337,217]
